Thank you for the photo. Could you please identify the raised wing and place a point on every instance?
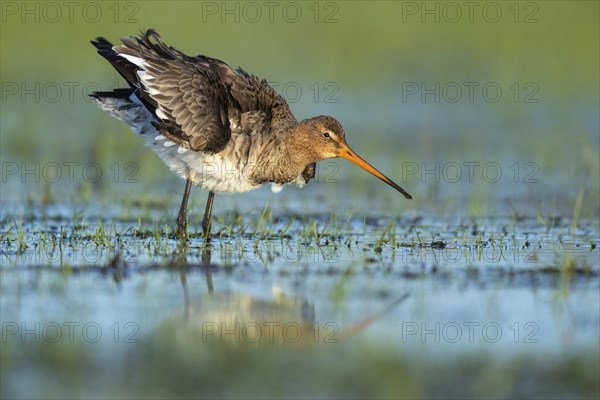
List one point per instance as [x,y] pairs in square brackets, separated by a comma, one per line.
[195,99]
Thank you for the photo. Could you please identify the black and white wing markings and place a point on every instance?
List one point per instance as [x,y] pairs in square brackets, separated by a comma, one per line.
[194,98]
[189,102]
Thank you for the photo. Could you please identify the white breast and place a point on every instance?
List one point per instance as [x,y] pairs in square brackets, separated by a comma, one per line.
[210,171]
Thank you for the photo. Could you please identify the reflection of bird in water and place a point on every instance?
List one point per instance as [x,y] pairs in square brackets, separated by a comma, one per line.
[233,306]
[238,318]
[219,128]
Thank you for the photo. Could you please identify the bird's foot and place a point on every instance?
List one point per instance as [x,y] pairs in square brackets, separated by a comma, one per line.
[181,231]
[181,234]
[206,231]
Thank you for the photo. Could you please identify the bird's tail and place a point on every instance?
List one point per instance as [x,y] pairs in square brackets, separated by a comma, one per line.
[116,102]
[148,45]
[123,66]
[128,59]
[126,107]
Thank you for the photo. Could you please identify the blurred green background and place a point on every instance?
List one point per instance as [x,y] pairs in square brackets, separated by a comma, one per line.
[389,71]
[355,60]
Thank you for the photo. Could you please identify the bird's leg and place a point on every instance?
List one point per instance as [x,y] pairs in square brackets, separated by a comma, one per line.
[206,254]
[207,214]
[209,282]
[182,217]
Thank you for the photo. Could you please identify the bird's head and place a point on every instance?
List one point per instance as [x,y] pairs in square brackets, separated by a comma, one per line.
[325,138]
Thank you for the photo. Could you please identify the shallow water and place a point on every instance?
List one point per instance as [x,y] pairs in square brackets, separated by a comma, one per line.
[439,289]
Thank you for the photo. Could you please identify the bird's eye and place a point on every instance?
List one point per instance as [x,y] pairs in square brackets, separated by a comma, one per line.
[326,134]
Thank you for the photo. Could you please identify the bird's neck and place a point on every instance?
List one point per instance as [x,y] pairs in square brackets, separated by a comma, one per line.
[284,156]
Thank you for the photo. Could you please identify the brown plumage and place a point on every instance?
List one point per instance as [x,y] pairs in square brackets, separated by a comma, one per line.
[217,127]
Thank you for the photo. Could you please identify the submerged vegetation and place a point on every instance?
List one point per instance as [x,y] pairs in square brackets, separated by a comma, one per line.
[280,292]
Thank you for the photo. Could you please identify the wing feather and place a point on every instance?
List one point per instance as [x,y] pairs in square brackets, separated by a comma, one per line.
[194,98]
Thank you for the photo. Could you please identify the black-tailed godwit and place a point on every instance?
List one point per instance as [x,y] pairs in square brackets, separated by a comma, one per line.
[216,127]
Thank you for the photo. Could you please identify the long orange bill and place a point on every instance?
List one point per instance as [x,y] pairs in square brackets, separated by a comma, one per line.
[349,154]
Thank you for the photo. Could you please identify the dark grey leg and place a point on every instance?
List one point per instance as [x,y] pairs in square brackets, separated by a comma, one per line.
[207,214]
[182,217]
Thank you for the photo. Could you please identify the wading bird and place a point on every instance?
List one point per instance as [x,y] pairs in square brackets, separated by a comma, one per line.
[216,127]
